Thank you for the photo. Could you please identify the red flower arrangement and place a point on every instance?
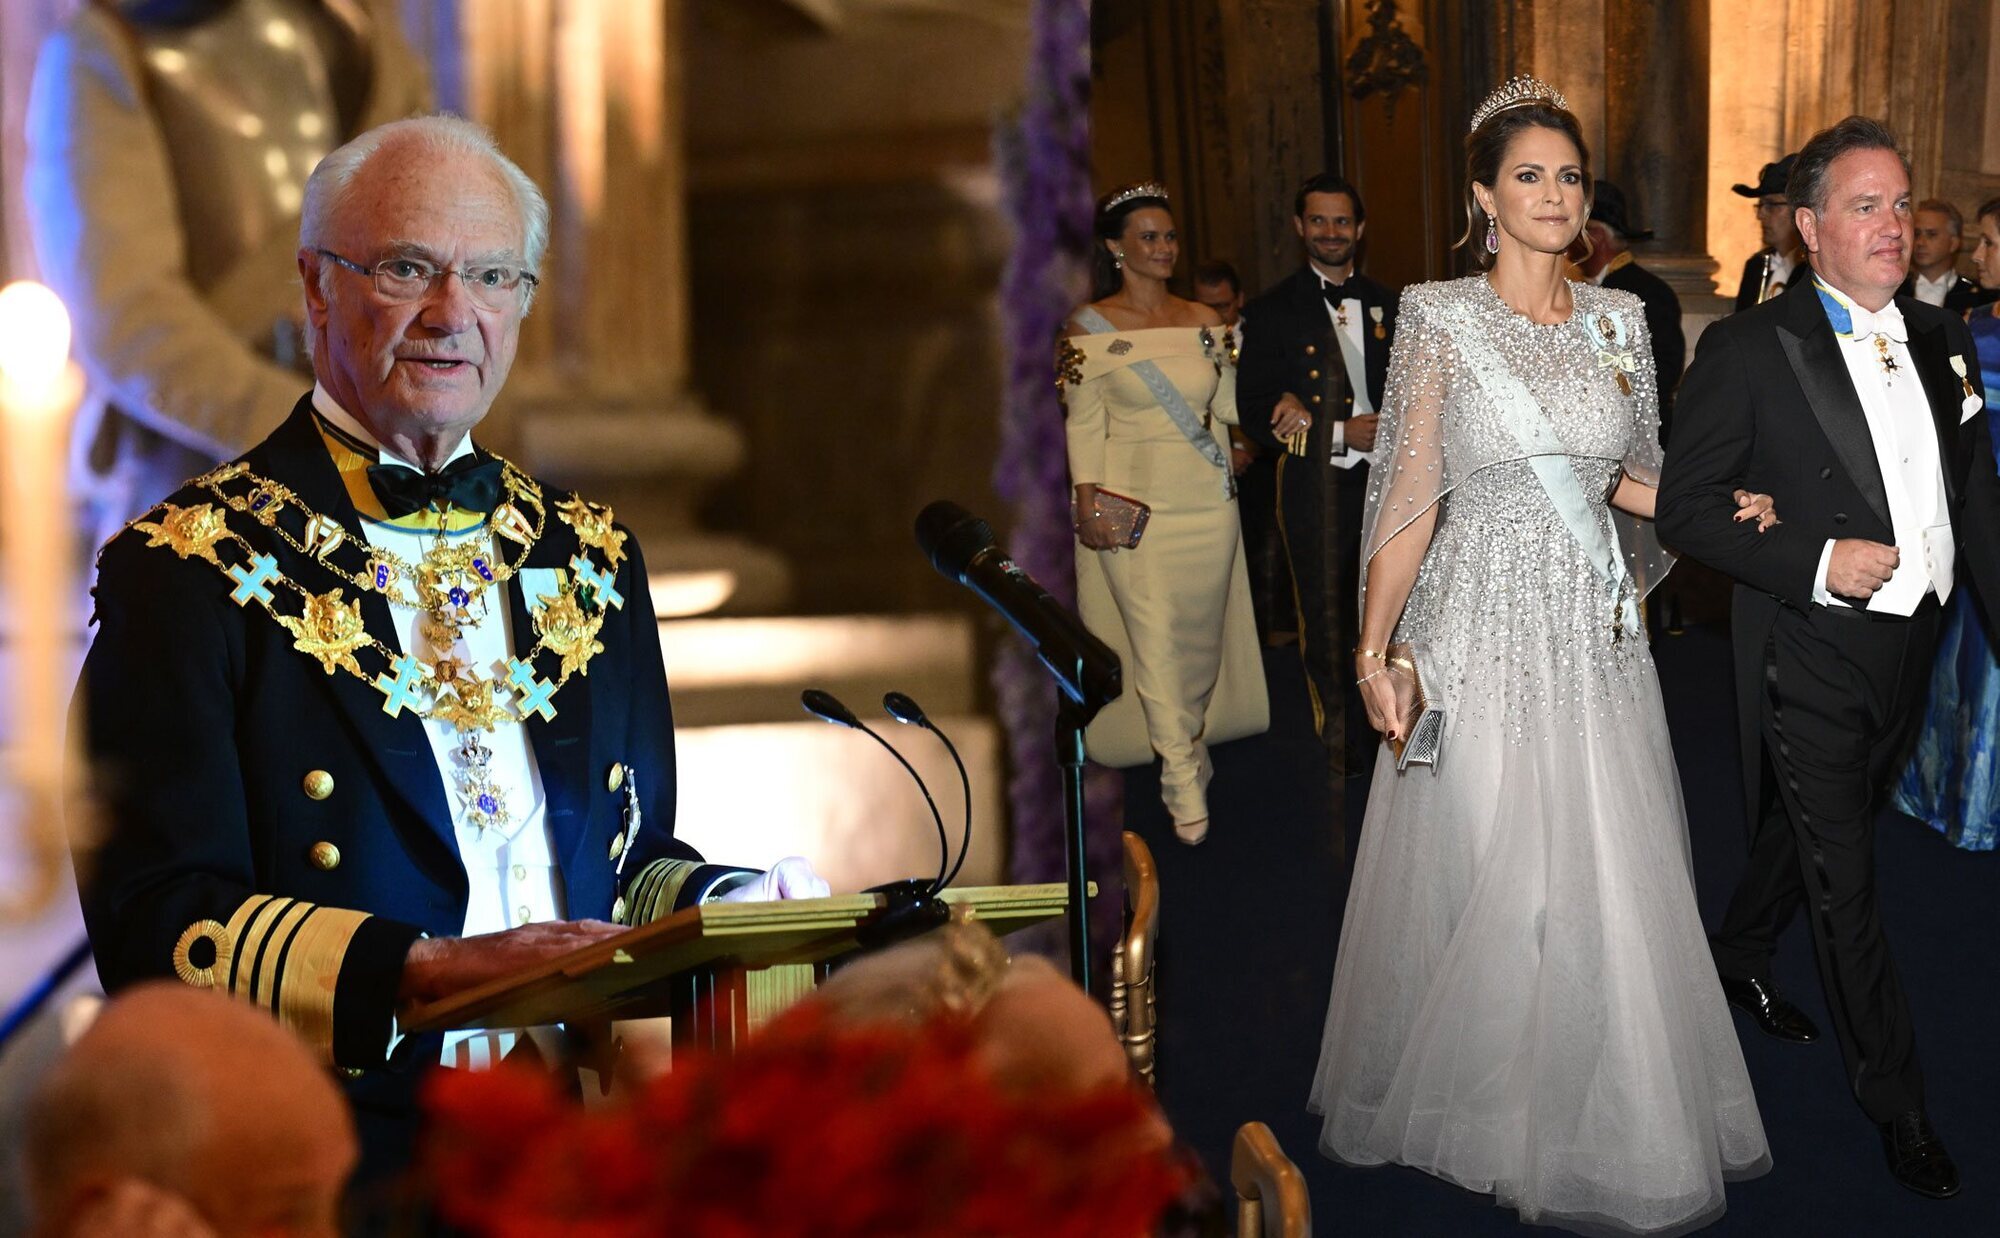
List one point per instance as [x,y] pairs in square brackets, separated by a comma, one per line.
[813,1129]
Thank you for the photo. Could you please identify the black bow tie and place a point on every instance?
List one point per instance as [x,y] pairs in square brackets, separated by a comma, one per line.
[1336,293]
[468,483]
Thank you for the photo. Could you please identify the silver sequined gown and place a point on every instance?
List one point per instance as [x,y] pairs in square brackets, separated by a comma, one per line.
[1524,1002]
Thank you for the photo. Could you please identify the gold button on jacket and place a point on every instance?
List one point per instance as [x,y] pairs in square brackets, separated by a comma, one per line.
[318,784]
[324,855]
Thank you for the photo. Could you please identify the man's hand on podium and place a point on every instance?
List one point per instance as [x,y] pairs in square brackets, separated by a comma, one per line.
[791,877]
[437,967]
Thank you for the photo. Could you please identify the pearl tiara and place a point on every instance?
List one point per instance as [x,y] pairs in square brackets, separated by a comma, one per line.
[1517,92]
[1144,189]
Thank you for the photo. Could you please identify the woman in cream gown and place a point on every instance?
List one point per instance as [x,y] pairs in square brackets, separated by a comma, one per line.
[1524,1002]
[1149,389]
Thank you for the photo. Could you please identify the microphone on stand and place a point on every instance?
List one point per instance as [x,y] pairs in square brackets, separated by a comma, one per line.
[913,905]
[909,713]
[960,546]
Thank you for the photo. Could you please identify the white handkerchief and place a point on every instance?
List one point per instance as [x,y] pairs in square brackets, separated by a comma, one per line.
[1968,406]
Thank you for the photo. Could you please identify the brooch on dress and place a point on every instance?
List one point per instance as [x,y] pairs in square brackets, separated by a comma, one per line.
[1118,348]
[1607,332]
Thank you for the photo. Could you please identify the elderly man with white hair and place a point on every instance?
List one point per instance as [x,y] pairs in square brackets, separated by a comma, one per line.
[372,716]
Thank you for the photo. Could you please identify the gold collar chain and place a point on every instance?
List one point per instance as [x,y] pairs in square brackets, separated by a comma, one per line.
[329,627]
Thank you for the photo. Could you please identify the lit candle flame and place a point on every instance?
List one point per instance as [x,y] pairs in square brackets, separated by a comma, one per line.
[34,339]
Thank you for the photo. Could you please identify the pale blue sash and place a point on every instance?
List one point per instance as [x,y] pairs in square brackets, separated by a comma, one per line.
[1171,400]
[1523,417]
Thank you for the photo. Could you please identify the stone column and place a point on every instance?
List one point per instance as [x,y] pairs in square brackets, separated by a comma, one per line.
[1656,59]
[588,95]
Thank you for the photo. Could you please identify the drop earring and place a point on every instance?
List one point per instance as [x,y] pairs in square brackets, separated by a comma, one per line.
[1118,262]
[1492,237]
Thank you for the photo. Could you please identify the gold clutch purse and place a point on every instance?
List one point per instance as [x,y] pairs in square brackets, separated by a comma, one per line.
[1127,516]
[1418,706]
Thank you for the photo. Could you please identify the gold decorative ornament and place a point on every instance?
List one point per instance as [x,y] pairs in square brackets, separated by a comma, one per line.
[324,856]
[329,630]
[1516,92]
[1069,364]
[317,784]
[202,933]
[187,531]
[568,632]
[592,522]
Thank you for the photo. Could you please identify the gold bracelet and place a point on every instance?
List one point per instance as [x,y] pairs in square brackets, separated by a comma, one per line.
[1376,654]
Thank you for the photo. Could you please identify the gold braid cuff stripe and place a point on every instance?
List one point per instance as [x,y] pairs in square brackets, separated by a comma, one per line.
[653,892]
[287,959]
[329,627]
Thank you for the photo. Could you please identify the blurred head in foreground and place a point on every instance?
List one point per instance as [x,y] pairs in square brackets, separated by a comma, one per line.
[183,1112]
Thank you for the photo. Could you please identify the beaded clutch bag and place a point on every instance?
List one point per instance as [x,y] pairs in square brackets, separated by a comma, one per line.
[1418,705]
[1127,516]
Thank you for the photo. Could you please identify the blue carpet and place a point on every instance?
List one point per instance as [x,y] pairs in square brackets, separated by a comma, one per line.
[1249,926]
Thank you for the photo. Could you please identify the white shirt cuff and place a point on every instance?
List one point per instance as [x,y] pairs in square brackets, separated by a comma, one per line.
[1339,440]
[1822,595]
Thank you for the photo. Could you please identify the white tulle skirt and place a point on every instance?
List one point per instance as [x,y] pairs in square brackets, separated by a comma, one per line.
[1524,1001]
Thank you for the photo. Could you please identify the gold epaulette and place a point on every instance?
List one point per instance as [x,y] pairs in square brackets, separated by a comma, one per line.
[279,953]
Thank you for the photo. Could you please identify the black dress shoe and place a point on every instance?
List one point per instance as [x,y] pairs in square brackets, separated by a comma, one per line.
[1776,1016]
[1917,1158]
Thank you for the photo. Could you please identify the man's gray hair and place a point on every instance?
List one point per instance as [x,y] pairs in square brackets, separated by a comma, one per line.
[330,184]
[1808,185]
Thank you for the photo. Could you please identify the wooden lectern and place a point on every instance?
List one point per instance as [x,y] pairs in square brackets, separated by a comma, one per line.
[718,970]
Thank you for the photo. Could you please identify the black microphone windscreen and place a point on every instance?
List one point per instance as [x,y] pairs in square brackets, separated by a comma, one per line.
[950,537]
[904,710]
[826,705]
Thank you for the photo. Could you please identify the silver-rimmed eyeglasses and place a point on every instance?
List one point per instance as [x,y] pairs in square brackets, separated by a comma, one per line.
[399,281]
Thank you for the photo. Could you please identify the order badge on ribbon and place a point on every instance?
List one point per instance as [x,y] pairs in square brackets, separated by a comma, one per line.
[1607,333]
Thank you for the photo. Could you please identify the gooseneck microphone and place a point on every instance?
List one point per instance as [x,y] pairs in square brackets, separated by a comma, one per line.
[961,547]
[827,707]
[909,713]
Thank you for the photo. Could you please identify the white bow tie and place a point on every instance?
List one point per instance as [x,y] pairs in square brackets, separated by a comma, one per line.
[1887,321]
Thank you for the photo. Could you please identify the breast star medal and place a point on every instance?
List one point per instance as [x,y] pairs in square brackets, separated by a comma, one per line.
[330,630]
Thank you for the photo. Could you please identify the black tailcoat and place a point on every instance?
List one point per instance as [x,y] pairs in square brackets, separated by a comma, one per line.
[1826,697]
[1289,344]
[1963,294]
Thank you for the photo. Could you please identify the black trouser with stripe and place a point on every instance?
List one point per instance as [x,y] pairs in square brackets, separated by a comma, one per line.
[1840,695]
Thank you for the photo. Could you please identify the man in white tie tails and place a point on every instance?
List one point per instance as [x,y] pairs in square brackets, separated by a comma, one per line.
[1861,413]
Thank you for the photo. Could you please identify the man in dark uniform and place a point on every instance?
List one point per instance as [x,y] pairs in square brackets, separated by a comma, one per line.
[1321,338]
[1937,233]
[1610,264]
[1769,271]
[372,717]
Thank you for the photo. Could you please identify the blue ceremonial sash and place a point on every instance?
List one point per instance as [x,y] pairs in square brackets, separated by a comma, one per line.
[1543,448]
[1178,411]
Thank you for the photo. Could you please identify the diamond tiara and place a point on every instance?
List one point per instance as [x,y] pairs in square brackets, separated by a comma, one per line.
[1144,189]
[1517,92]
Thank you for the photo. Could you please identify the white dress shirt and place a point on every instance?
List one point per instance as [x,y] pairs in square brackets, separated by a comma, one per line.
[510,868]
[1906,449]
[1353,330]
[1932,291]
